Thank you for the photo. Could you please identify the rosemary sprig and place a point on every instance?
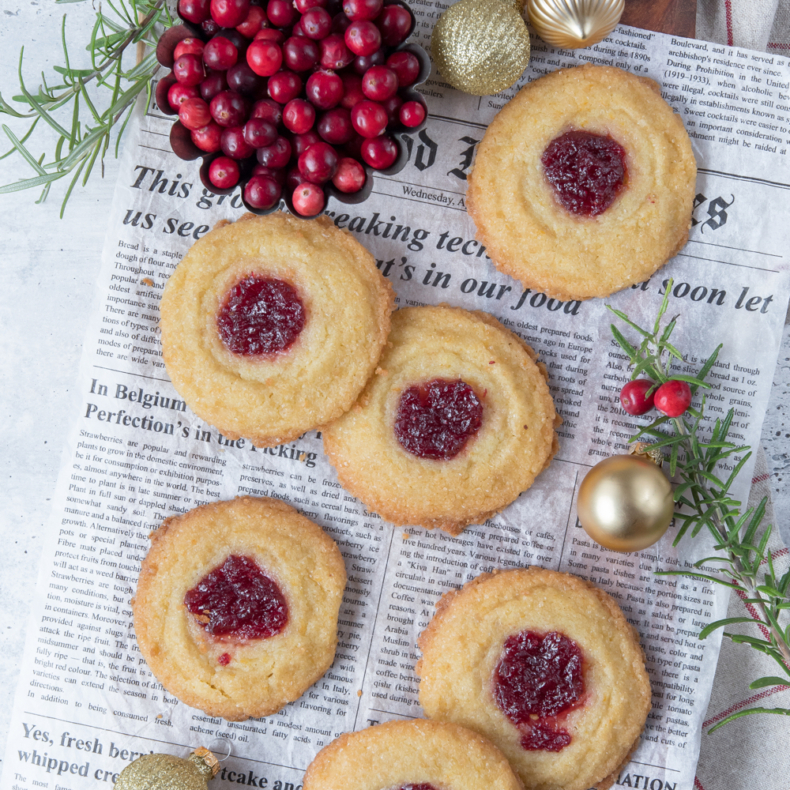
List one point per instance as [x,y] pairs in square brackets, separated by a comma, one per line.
[703,500]
[84,126]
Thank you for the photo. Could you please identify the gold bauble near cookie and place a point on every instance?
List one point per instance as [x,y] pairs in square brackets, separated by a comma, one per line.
[166,772]
[480,46]
[625,503]
[573,24]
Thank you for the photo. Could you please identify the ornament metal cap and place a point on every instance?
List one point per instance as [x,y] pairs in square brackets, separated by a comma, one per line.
[574,24]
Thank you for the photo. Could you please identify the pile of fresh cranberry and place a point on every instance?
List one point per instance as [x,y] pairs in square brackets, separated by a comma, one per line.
[295,95]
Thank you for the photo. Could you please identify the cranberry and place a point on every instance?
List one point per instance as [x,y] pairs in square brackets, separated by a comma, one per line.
[303,6]
[256,19]
[298,116]
[264,57]
[293,179]
[228,109]
[234,145]
[276,155]
[353,147]
[219,54]
[363,38]
[301,142]
[194,11]
[213,84]
[235,38]
[179,93]
[223,173]
[308,199]
[586,170]
[364,62]
[318,163]
[259,133]
[277,174]
[297,30]
[316,23]
[262,192]
[350,175]
[392,106]
[412,114]
[436,419]
[239,600]
[335,126]
[270,34]
[267,110]
[229,13]
[242,79]
[188,70]
[352,91]
[673,397]
[284,86]
[300,54]
[281,13]
[539,676]
[395,24]
[357,10]
[340,23]
[379,83]
[194,114]
[324,89]
[209,138]
[334,52]
[210,28]
[634,398]
[188,46]
[369,118]
[406,67]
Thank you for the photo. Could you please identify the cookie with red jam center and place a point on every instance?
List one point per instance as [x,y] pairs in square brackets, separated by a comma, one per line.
[551,672]
[237,604]
[411,755]
[584,183]
[456,423]
[272,325]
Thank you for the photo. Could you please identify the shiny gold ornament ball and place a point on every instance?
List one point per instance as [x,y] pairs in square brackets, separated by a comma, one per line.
[573,24]
[480,46]
[165,772]
[625,503]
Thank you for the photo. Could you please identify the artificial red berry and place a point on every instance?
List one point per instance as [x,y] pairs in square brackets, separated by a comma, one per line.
[673,398]
[300,54]
[242,79]
[395,24]
[324,89]
[268,110]
[188,46]
[223,173]
[316,23]
[380,152]
[264,57]
[194,11]
[369,118]
[406,67]
[209,138]
[364,62]
[412,114]
[335,126]
[262,192]
[284,86]
[363,38]
[379,83]
[179,93]
[349,176]
[301,142]
[194,114]
[213,84]
[276,155]
[256,19]
[318,163]
[308,199]
[334,52]
[188,70]
[229,13]
[634,398]
[352,90]
[270,34]
[228,109]
[298,116]
[234,145]
[281,13]
[357,10]
[219,54]
[259,133]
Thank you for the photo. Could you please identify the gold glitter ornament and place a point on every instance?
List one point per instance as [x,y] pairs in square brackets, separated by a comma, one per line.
[480,46]
[625,502]
[573,24]
[166,772]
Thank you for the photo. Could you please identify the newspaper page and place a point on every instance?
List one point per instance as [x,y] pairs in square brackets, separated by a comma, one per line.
[87,704]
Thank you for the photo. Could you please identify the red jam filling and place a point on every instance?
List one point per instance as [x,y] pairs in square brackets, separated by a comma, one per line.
[538,681]
[421,786]
[260,316]
[436,419]
[238,600]
[586,170]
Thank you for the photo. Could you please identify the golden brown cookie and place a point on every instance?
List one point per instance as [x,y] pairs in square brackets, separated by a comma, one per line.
[559,207]
[456,423]
[236,606]
[546,666]
[411,755]
[272,325]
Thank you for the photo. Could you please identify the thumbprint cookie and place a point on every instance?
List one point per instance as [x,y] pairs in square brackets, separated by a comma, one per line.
[546,666]
[272,325]
[456,423]
[584,183]
[237,604]
[411,755]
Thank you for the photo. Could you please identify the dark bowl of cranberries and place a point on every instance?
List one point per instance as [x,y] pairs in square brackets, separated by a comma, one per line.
[292,100]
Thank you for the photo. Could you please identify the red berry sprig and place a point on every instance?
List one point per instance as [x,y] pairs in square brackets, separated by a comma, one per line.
[672,398]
